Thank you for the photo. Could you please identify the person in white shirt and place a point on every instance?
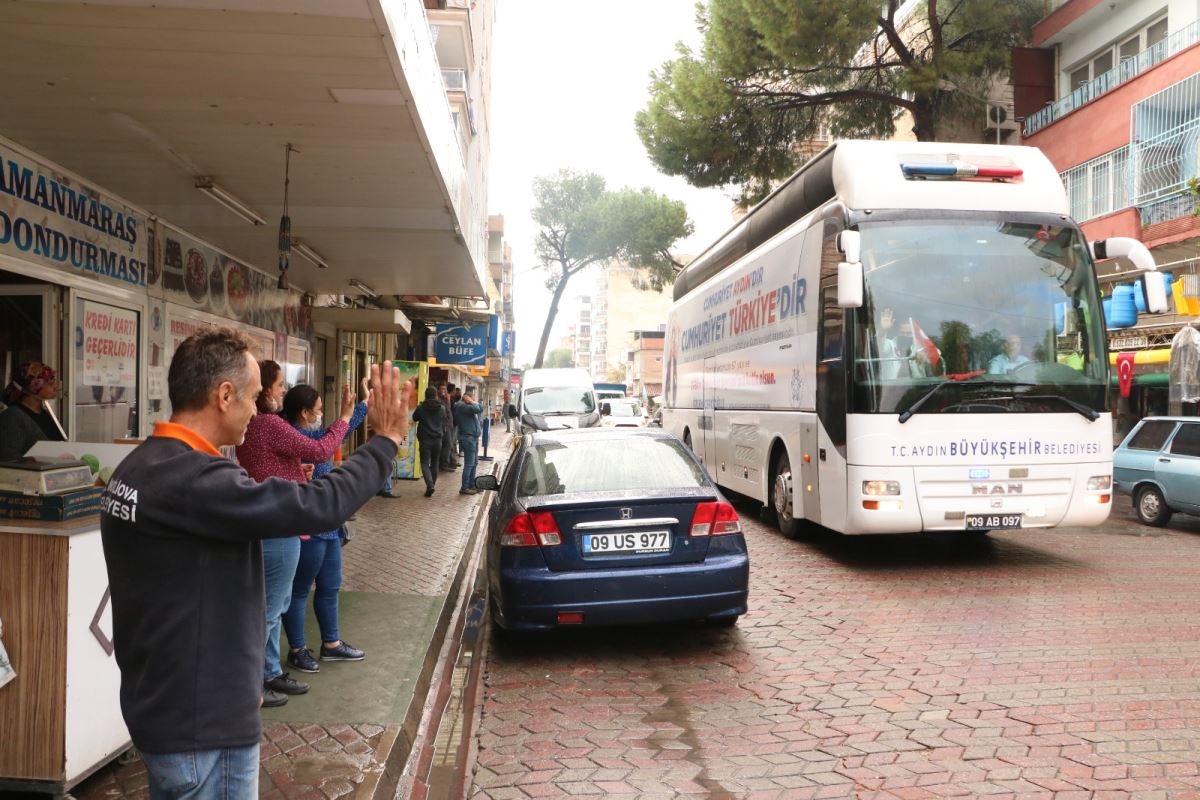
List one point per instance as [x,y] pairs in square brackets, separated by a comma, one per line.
[1010,359]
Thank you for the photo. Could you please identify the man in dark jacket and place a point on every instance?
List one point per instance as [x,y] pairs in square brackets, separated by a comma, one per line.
[181,525]
[449,463]
[466,415]
[432,424]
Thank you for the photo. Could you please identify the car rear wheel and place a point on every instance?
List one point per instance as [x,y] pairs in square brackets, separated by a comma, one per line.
[781,498]
[1151,507]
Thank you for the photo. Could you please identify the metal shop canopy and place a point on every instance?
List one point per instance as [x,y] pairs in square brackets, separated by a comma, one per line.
[145,98]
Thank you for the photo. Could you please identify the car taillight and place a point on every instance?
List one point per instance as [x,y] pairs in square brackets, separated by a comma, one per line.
[527,529]
[715,519]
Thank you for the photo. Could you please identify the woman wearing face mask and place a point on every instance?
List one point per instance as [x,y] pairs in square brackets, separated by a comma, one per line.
[27,421]
[320,554]
[274,449]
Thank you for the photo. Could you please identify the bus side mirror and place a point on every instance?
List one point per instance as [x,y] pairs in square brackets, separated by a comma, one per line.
[850,284]
[849,244]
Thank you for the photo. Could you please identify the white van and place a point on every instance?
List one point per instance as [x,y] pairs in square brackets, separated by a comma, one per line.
[555,398]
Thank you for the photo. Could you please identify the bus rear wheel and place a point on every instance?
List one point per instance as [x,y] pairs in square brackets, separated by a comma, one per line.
[781,498]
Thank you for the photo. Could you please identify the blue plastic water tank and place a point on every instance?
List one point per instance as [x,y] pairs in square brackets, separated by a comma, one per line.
[1122,311]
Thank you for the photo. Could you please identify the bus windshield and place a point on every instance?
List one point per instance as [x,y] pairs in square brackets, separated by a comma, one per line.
[1008,311]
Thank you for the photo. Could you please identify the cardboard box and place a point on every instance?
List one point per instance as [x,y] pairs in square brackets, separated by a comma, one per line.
[52,508]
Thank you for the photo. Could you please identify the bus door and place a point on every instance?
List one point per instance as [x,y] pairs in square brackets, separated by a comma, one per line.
[708,419]
[831,409]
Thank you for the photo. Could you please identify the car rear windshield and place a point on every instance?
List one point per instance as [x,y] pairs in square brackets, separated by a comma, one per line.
[606,464]
[1151,435]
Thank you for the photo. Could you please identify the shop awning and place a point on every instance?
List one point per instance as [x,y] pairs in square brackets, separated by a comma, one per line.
[363,320]
[144,99]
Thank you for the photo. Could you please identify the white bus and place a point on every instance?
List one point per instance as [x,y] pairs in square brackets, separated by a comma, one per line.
[903,337]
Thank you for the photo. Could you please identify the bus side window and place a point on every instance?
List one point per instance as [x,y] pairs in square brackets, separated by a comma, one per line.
[831,368]
[832,326]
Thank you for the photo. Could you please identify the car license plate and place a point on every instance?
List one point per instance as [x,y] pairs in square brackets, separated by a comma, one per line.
[993,522]
[639,542]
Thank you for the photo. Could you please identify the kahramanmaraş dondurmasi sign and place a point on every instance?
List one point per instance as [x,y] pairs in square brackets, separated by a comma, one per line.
[456,343]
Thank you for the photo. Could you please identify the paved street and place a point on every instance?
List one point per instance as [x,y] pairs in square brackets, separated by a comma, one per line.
[1032,664]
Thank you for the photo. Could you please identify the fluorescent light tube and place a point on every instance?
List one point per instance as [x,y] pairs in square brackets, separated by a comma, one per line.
[227,200]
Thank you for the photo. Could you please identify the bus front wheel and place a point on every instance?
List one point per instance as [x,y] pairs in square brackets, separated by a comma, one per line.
[781,498]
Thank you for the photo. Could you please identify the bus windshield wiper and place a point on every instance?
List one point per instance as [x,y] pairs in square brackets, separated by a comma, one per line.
[907,413]
[1091,413]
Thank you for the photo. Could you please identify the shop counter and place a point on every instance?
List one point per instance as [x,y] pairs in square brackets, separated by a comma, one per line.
[60,718]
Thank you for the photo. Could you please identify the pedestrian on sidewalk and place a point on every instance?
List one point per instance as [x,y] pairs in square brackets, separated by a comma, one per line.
[449,464]
[320,554]
[180,527]
[431,419]
[274,449]
[466,414]
[455,398]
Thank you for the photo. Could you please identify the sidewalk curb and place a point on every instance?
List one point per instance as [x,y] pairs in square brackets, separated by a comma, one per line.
[392,768]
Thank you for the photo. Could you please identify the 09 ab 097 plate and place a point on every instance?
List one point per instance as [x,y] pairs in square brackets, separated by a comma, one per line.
[993,522]
[626,543]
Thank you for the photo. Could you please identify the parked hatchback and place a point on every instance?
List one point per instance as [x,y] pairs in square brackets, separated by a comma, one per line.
[1158,464]
[610,527]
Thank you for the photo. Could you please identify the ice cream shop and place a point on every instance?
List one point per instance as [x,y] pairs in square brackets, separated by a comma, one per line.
[95,295]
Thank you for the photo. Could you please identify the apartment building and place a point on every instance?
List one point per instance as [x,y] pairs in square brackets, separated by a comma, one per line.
[581,339]
[644,370]
[1110,91]
[622,304]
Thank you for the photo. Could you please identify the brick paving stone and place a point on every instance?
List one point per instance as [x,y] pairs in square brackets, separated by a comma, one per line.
[1060,663]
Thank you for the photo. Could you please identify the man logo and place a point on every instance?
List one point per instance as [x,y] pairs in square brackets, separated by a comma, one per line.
[996,488]
[626,513]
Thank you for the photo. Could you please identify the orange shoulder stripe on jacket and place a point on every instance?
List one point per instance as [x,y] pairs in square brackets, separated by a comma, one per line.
[173,430]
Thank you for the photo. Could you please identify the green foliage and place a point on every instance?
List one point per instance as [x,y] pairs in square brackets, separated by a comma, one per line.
[1193,187]
[560,357]
[770,72]
[581,223]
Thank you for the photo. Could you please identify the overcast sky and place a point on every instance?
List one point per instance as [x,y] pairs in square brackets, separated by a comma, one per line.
[568,77]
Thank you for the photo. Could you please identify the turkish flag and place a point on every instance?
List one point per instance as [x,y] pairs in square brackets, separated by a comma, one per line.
[1125,372]
[925,343]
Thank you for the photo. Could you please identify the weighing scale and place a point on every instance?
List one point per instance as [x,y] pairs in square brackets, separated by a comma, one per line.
[31,476]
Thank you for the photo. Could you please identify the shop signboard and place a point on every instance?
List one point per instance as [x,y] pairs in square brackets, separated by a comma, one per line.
[189,273]
[52,219]
[461,344]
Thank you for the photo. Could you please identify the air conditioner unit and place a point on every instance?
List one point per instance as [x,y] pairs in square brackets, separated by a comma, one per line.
[455,80]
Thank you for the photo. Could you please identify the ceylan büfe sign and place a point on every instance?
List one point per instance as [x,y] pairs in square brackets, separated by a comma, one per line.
[458,343]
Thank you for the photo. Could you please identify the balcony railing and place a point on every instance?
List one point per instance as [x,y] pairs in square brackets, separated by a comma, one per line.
[1106,82]
[1100,186]
[1166,141]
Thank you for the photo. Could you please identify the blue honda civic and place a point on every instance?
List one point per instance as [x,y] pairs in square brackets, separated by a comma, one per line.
[610,527]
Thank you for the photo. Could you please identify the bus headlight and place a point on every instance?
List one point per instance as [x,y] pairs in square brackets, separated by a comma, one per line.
[880,488]
[1099,483]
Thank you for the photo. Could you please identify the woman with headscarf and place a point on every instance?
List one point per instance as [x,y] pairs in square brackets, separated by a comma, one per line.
[274,449]
[27,420]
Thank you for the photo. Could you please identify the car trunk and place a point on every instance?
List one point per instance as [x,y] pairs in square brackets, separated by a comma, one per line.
[607,531]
